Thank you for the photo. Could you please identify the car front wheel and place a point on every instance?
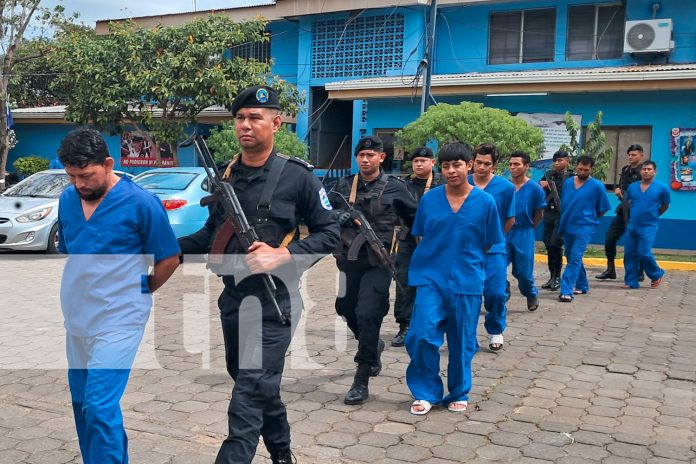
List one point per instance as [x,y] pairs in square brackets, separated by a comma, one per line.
[52,247]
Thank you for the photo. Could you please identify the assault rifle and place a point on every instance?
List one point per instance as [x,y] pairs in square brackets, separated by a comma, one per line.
[366,234]
[552,188]
[233,213]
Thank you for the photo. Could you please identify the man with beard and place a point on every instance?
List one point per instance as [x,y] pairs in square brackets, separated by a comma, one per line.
[108,226]
[275,192]
[649,200]
[584,201]
[363,299]
[529,209]
[495,293]
[552,217]
[419,183]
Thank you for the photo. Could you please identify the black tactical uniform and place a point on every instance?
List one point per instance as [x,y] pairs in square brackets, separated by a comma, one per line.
[617,227]
[552,219]
[405,295]
[274,197]
[364,295]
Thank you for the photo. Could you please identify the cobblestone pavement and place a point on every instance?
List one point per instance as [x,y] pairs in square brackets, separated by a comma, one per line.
[610,378]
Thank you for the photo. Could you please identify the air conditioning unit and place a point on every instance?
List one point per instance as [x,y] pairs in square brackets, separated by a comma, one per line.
[648,36]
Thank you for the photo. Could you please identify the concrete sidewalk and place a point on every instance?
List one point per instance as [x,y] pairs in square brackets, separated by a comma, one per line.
[609,378]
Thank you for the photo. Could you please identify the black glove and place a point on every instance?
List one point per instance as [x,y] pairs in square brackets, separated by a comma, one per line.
[344,218]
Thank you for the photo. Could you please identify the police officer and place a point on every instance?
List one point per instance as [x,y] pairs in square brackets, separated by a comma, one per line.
[552,217]
[423,179]
[629,174]
[364,295]
[275,192]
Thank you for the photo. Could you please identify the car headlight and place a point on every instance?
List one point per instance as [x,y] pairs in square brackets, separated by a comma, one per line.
[34,216]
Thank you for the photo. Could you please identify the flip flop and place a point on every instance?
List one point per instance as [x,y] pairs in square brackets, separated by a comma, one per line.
[421,407]
[457,406]
[656,283]
[565,298]
[495,342]
[579,292]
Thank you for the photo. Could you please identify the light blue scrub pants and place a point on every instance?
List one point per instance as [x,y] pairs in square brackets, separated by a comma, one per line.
[574,276]
[436,312]
[637,254]
[520,253]
[494,293]
[98,370]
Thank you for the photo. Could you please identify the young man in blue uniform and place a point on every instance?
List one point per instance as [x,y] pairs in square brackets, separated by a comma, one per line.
[457,223]
[529,210]
[495,293]
[584,201]
[419,183]
[276,193]
[109,227]
[648,200]
[363,299]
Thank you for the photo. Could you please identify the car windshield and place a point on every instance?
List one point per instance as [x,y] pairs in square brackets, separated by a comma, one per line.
[41,185]
[165,180]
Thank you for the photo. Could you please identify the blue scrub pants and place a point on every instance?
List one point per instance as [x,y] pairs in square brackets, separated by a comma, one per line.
[98,372]
[574,276]
[435,313]
[494,293]
[520,252]
[637,254]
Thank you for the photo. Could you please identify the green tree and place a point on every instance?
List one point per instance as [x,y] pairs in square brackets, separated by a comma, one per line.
[472,123]
[595,144]
[158,80]
[224,144]
[28,165]
[15,17]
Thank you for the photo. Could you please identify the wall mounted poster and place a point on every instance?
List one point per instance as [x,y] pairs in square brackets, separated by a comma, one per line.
[554,130]
[683,163]
[139,150]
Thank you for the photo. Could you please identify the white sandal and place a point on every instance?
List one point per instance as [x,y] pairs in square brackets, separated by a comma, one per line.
[495,342]
[456,406]
[425,405]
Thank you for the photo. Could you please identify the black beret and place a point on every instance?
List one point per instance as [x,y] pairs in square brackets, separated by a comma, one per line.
[369,142]
[258,96]
[421,152]
[560,154]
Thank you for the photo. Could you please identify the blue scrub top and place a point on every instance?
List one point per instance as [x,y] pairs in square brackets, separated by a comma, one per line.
[582,208]
[645,206]
[452,251]
[529,199]
[109,258]
[503,192]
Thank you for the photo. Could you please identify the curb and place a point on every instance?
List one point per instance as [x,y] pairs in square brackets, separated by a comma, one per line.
[600,262]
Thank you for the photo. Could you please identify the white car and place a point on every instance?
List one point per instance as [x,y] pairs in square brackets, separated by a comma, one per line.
[29,211]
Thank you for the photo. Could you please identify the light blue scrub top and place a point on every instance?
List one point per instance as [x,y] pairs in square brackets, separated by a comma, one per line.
[451,253]
[503,192]
[582,207]
[104,283]
[645,206]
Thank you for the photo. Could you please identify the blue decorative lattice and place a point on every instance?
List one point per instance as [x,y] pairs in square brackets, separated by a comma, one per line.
[363,114]
[361,47]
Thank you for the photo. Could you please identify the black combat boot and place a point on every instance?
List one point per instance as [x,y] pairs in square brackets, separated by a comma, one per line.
[610,272]
[556,284]
[549,282]
[400,338]
[283,457]
[358,392]
[376,368]
[508,294]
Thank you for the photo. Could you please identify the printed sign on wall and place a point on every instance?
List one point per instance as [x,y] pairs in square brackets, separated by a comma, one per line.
[683,163]
[139,150]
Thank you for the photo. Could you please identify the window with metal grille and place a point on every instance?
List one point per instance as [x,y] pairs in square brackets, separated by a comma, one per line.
[260,51]
[527,36]
[357,47]
[595,32]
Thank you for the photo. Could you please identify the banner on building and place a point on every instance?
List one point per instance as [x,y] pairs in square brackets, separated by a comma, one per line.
[554,130]
[683,163]
[139,150]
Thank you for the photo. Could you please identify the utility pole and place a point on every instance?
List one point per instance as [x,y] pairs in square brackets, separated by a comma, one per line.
[426,97]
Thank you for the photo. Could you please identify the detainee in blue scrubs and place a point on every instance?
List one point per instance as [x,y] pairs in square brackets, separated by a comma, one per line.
[584,201]
[495,293]
[530,201]
[457,223]
[649,199]
[111,229]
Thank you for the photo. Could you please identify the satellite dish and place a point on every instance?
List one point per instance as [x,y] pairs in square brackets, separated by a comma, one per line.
[640,36]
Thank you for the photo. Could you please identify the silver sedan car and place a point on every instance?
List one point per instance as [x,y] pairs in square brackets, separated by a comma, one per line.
[29,211]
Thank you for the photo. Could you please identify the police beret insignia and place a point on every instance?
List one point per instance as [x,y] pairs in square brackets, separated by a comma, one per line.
[262,95]
[258,96]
